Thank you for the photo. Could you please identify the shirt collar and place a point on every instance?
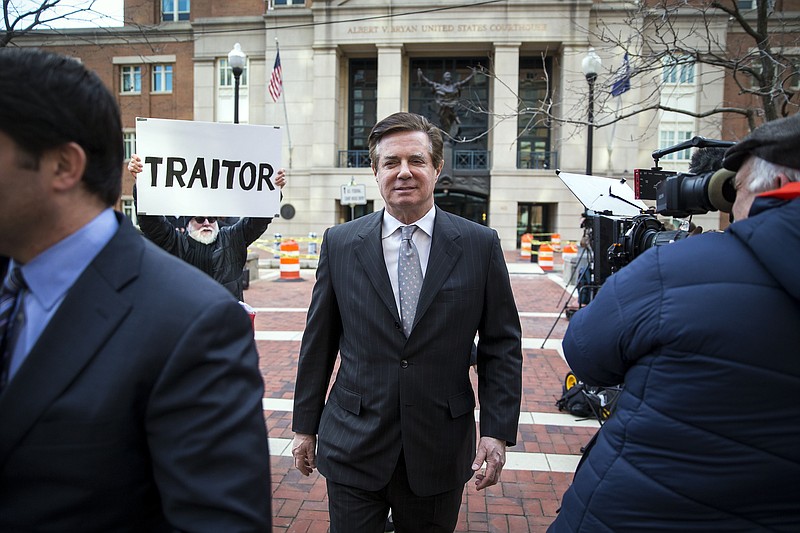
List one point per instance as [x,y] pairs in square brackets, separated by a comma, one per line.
[50,274]
[390,224]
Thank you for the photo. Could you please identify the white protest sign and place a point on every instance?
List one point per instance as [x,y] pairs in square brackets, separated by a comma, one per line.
[207,168]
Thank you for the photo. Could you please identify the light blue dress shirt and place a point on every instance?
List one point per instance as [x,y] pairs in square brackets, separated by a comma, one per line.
[51,274]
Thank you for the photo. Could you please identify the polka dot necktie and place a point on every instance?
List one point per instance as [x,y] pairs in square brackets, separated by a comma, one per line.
[409,276]
[12,286]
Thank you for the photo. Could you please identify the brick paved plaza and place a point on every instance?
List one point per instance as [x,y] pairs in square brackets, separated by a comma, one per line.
[538,469]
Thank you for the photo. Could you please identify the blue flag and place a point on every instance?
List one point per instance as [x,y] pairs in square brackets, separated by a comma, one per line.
[622,80]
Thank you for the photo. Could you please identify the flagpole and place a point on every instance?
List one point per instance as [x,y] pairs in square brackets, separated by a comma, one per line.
[285,113]
[610,145]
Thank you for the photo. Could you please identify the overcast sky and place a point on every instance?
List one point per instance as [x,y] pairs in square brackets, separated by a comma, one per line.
[105,12]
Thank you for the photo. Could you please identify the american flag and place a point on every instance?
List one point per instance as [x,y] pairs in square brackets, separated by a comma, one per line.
[275,80]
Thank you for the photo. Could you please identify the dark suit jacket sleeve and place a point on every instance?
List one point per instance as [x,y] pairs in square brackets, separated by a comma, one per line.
[319,349]
[205,427]
[499,354]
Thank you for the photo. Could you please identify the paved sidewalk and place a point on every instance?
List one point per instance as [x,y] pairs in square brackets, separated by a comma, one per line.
[539,468]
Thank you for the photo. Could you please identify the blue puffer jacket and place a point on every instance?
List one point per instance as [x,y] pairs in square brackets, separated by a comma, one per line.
[705,334]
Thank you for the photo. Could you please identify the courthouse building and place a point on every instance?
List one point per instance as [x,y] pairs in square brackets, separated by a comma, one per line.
[348,63]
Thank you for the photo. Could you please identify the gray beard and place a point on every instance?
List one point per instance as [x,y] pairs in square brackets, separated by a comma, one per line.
[203,238]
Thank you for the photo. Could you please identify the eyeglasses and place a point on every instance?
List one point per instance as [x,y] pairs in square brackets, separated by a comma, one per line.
[200,220]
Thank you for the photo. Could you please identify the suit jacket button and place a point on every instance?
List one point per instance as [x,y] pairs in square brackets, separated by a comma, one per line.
[397,325]
[403,364]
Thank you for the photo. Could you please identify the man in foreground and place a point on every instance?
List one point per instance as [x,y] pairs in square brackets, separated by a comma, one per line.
[400,295]
[130,396]
[704,333]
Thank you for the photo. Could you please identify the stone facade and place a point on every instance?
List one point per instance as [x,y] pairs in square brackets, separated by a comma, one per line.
[320,39]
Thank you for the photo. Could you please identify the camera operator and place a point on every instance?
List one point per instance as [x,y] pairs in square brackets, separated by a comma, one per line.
[704,333]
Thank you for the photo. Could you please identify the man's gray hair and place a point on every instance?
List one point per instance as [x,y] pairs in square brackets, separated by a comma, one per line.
[764,175]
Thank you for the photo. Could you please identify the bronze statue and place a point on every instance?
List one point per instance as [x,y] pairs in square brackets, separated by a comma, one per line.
[447,97]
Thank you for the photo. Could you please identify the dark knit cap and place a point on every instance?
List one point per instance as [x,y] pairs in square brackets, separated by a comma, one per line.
[777,141]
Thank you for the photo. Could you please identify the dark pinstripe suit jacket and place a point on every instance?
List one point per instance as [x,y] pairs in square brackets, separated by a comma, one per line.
[391,392]
[139,408]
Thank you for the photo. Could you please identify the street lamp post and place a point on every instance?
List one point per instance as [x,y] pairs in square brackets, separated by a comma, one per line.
[236,60]
[590,65]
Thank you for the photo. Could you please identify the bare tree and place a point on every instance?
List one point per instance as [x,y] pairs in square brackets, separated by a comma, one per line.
[755,51]
[21,17]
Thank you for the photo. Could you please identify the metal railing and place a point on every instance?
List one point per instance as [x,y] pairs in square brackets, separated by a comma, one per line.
[471,159]
[354,159]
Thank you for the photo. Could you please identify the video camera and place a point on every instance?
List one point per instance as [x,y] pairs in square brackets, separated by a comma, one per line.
[618,226]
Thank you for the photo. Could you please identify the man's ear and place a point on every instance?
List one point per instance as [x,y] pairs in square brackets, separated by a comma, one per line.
[782,180]
[68,163]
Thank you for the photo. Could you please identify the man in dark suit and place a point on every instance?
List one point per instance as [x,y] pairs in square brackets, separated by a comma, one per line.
[130,396]
[398,429]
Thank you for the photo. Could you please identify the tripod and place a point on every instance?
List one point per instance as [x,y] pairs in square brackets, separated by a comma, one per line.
[577,270]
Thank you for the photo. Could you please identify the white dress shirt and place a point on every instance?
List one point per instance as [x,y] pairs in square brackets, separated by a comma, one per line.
[390,238]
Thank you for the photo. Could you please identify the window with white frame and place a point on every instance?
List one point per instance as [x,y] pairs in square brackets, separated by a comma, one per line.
[678,70]
[225,93]
[225,76]
[162,79]
[174,10]
[129,209]
[129,143]
[670,136]
[131,79]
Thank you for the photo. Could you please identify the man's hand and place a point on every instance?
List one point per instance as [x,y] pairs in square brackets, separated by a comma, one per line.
[493,452]
[304,452]
[280,177]
[135,165]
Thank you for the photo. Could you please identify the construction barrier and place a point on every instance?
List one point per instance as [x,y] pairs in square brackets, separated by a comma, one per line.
[555,242]
[569,252]
[546,257]
[525,246]
[277,245]
[290,261]
[312,244]
[309,245]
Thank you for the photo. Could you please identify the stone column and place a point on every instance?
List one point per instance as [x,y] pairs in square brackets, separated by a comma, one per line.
[390,79]
[326,96]
[504,104]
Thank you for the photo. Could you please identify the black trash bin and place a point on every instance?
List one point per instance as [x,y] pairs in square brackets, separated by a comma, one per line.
[535,252]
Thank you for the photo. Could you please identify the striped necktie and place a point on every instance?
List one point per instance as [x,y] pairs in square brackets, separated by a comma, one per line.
[9,296]
[409,277]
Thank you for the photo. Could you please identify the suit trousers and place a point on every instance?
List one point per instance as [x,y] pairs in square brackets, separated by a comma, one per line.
[354,510]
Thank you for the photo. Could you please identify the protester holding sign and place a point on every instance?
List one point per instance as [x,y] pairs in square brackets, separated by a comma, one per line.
[219,252]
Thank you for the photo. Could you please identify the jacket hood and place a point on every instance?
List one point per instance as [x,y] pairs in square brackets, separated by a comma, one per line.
[772,232]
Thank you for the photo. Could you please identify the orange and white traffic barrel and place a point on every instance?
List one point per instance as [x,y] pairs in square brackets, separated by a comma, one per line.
[569,252]
[525,246]
[555,242]
[290,261]
[546,257]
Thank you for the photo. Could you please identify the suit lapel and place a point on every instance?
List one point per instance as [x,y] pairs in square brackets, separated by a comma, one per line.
[369,252]
[90,313]
[445,252]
